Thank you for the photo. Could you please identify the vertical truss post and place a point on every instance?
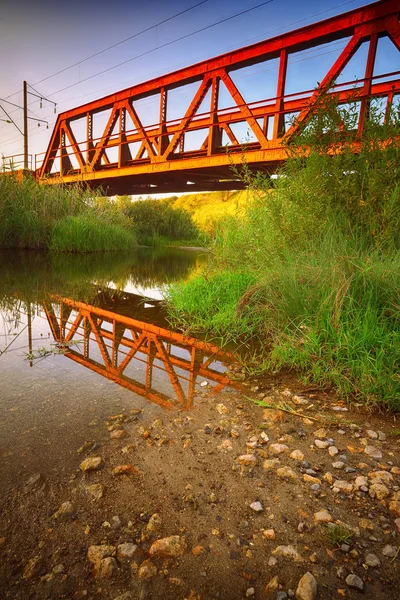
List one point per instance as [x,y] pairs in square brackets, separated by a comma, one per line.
[214,133]
[279,120]
[124,153]
[369,70]
[195,362]
[163,138]
[86,336]
[65,161]
[118,332]
[89,138]
[151,354]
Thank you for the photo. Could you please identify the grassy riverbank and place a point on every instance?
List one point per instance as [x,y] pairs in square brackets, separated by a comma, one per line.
[312,270]
[60,219]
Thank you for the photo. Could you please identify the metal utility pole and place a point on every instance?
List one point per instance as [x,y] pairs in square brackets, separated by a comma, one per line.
[25,126]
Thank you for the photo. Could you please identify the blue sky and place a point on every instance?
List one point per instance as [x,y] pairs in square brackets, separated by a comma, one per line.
[38,39]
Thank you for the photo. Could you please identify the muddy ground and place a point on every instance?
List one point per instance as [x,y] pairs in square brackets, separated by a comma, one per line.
[255,498]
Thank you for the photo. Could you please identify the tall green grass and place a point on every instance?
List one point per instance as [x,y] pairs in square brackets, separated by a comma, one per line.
[88,233]
[320,248]
[59,218]
[157,223]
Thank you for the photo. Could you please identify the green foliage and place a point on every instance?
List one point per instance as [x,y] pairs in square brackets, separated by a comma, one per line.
[89,233]
[339,534]
[208,303]
[322,245]
[38,216]
[156,221]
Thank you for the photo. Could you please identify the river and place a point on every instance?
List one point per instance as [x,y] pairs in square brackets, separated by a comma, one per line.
[83,337]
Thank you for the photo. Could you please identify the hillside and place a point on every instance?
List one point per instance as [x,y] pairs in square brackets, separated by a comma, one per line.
[208,208]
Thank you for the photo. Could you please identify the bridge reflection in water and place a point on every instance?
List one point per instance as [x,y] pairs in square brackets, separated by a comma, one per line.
[134,353]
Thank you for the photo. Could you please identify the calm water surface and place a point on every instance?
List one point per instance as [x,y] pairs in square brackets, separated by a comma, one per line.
[83,337]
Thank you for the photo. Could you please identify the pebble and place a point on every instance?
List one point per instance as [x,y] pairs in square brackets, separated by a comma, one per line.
[373,452]
[91,464]
[343,486]
[288,552]
[105,568]
[126,470]
[147,569]
[97,553]
[154,523]
[321,444]
[126,551]
[323,516]
[338,465]
[389,551]
[371,560]
[381,477]
[310,479]
[297,455]
[225,445]
[307,587]
[95,491]
[378,491]
[281,596]
[247,460]
[360,482]
[277,449]
[299,400]
[257,507]
[269,534]
[118,434]
[272,562]
[332,450]
[372,434]
[354,581]
[169,547]
[272,585]
[250,592]
[350,470]
[65,511]
[286,473]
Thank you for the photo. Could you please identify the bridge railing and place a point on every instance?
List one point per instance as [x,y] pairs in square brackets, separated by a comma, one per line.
[15,162]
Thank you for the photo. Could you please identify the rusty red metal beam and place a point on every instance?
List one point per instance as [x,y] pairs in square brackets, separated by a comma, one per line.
[161,156]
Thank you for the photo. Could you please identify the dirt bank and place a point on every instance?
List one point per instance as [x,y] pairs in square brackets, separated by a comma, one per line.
[255,497]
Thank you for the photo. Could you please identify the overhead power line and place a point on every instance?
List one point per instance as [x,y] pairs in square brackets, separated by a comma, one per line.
[174,41]
[131,37]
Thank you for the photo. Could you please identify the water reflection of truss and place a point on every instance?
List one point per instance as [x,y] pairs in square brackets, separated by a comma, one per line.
[136,354]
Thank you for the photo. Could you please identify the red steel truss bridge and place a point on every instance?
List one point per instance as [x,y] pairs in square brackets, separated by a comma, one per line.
[136,354]
[197,150]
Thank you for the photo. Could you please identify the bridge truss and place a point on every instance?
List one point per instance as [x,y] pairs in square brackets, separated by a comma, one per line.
[130,156]
[133,353]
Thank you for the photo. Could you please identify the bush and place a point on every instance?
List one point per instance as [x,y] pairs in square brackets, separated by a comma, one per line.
[156,221]
[38,216]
